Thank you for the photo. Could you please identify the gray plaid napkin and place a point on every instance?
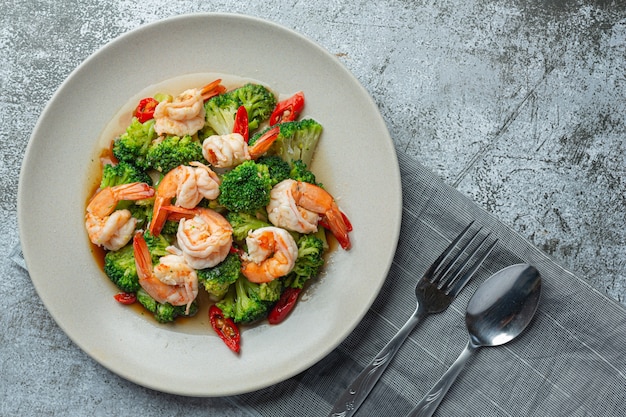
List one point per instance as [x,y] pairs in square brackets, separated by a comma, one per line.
[570,362]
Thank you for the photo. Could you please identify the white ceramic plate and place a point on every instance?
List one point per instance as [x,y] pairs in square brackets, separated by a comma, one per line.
[356,160]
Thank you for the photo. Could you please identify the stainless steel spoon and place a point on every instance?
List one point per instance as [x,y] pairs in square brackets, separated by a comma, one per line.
[497,313]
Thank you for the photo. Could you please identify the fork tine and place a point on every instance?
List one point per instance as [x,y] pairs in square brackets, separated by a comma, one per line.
[449,278]
[456,287]
[435,265]
[443,276]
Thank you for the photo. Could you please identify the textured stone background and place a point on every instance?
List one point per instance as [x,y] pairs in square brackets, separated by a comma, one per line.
[519,104]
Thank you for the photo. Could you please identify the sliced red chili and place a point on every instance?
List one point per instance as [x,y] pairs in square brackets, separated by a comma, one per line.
[225,328]
[241,123]
[145,109]
[125,298]
[288,110]
[285,304]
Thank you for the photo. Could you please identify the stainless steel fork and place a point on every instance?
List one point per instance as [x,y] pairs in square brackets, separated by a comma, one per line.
[435,291]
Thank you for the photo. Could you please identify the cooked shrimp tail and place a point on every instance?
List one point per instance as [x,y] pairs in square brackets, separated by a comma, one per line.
[143,259]
[175,213]
[166,191]
[212,89]
[339,225]
[104,202]
[263,143]
[159,216]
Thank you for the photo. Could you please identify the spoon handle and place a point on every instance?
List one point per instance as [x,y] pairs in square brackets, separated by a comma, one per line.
[427,406]
[354,395]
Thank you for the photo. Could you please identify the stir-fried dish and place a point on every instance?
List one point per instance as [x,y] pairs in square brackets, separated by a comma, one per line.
[211,190]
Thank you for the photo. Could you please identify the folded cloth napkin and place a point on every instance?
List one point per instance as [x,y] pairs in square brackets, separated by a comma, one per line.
[569,362]
[16,256]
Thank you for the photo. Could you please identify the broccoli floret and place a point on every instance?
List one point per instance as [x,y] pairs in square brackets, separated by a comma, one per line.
[258,101]
[157,245]
[270,291]
[297,140]
[123,173]
[300,172]
[217,279]
[170,228]
[205,132]
[243,223]
[279,169]
[132,146]
[172,152]
[242,302]
[309,261]
[220,110]
[120,267]
[246,188]
[145,300]
[140,210]
[220,113]
[228,303]
[249,307]
[164,312]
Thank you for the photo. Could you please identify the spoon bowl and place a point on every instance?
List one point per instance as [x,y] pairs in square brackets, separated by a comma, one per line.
[498,312]
[504,305]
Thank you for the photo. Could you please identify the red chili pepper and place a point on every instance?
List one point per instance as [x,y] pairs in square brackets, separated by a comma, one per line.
[145,109]
[284,305]
[225,328]
[241,123]
[125,298]
[288,110]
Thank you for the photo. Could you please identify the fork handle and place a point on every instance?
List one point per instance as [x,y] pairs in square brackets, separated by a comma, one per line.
[352,398]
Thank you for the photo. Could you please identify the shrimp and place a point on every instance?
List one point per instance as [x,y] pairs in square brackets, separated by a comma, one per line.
[284,212]
[204,236]
[189,184]
[112,228]
[182,116]
[227,151]
[171,280]
[185,114]
[300,206]
[272,254]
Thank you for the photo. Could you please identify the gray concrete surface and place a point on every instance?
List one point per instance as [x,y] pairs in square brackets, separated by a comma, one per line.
[519,104]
